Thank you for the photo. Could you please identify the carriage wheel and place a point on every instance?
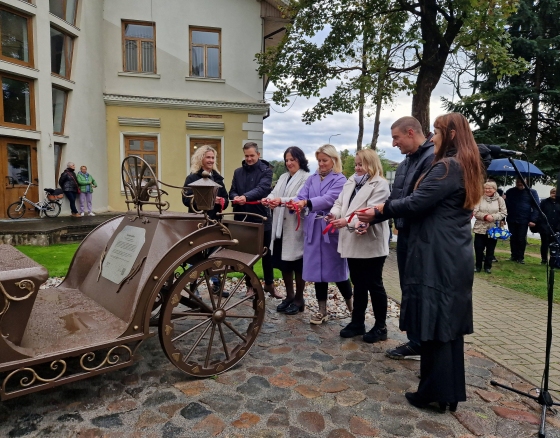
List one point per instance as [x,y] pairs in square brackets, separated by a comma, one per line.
[212,336]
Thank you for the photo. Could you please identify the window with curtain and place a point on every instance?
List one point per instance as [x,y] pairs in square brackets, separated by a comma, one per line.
[205,52]
[61,53]
[139,47]
[15,31]
[65,9]
[17,102]
[59,98]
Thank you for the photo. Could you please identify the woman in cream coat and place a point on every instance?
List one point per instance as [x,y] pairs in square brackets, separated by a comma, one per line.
[287,242]
[364,246]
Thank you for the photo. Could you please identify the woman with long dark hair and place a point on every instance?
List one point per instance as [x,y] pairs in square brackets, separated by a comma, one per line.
[437,303]
[287,239]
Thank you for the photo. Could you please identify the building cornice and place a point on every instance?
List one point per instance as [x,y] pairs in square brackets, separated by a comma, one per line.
[185,104]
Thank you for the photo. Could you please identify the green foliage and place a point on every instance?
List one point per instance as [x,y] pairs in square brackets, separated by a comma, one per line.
[348,166]
[278,168]
[348,162]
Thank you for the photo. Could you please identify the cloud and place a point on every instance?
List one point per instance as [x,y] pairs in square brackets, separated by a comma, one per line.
[284,127]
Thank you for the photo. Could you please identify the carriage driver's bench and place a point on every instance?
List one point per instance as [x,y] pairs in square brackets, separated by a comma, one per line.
[184,273]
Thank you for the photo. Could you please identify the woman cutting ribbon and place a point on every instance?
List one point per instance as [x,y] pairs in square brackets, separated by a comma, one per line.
[287,235]
[321,261]
[365,247]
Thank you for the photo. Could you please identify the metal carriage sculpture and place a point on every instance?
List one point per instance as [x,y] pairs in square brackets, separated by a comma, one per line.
[183,272]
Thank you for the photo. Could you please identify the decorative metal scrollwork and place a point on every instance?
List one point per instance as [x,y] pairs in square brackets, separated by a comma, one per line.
[111,358]
[23,284]
[27,381]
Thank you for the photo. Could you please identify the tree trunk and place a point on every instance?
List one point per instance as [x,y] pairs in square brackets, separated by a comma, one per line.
[382,80]
[362,99]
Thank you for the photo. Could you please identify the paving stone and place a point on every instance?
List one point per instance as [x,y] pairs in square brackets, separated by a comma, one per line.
[280,350]
[514,405]
[246,421]
[194,411]
[122,405]
[333,385]
[515,414]
[435,428]
[280,361]
[211,424]
[170,410]
[489,396]
[307,391]
[353,367]
[294,432]
[298,404]
[349,346]
[340,433]
[152,375]
[329,366]
[254,385]
[71,417]
[223,403]
[112,389]
[359,356]
[341,374]
[368,409]
[276,394]
[401,413]
[259,406]
[473,423]
[478,371]
[308,375]
[321,357]
[282,380]
[340,416]
[508,428]
[171,430]
[88,433]
[379,393]
[279,418]
[397,427]
[107,421]
[134,392]
[481,362]
[148,419]
[312,421]
[190,388]
[398,386]
[349,398]
[479,382]
[264,433]
[359,426]
[159,398]
[262,371]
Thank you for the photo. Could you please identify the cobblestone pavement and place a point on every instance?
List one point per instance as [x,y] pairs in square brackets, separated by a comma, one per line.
[509,327]
[298,380]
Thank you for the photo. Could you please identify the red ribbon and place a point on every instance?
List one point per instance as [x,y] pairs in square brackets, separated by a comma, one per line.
[293,205]
[330,226]
[248,202]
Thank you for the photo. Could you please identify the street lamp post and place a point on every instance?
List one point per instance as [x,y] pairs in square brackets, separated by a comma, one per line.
[334,135]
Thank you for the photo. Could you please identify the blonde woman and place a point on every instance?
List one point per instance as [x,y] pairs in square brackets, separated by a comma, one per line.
[365,246]
[490,209]
[204,159]
[321,261]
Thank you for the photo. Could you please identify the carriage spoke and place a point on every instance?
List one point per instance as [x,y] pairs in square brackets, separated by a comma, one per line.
[240,302]
[190,330]
[222,337]
[239,283]
[210,290]
[234,330]
[209,350]
[242,316]
[196,343]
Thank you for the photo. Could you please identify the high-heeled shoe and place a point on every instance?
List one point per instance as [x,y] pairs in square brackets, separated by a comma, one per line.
[283,305]
[415,400]
[294,309]
[452,406]
[272,291]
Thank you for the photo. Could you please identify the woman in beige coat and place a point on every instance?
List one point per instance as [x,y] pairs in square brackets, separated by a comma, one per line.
[490,209]
[287,239]
[365,246]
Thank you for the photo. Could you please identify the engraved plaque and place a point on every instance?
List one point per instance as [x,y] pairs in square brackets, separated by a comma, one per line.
[123,253]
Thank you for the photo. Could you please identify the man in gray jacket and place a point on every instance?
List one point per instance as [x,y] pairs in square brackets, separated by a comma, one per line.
[408,137]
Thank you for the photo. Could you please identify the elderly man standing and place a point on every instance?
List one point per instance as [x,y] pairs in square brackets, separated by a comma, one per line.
[252,182]
[521,216]
[408,137]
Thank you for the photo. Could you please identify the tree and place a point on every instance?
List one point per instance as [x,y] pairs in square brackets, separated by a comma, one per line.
[427,31]
[278,168]
[522,112]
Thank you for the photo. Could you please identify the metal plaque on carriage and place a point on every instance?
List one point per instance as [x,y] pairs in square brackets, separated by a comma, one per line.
[122,254]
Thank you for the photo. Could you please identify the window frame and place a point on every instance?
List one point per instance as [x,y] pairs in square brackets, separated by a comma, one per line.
[205,47]
[64,5]
[30,42]
[140,153]
[31,82]
[66,92]
[139,40]
[68,61]
[58,160]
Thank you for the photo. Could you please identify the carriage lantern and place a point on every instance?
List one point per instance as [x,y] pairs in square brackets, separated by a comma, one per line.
[204,192]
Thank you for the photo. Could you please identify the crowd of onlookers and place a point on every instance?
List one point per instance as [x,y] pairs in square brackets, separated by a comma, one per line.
[517,208]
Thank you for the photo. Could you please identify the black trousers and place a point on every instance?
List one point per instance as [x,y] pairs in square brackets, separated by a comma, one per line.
[518,239]
[442,370]
[367,276]
[484,242]
[402,250]
[545,244]
[72,199]
[322,289]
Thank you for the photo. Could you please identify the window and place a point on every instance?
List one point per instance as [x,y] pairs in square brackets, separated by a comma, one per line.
[65,9]
[59,98]
[205,53]
[18,105]
[16,37]
[57,160]
[19,163]
[139,47]
[144,147]
[61,53]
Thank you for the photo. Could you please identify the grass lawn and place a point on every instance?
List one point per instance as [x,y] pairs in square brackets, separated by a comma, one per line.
[528,278]
[57,258]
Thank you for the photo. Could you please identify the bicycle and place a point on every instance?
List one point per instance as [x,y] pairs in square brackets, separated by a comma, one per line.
[50,206]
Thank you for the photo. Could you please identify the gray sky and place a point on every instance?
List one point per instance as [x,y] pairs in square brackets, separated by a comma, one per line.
[284,127]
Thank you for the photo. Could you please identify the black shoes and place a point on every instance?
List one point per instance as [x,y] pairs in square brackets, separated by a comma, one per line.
[376,334]
[488,271]
[543,262]
[289,307]
[512,259]
[283,306]
[477,269]
[403,351]
[352,330]
[415,400]
[521,262]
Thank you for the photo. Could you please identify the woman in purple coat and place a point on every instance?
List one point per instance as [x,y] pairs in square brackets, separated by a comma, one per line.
[321,261]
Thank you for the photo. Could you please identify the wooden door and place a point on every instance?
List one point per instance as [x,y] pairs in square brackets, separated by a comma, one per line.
[216,143]
[19,164]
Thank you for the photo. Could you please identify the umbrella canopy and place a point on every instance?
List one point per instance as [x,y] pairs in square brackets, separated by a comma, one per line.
[502,167]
